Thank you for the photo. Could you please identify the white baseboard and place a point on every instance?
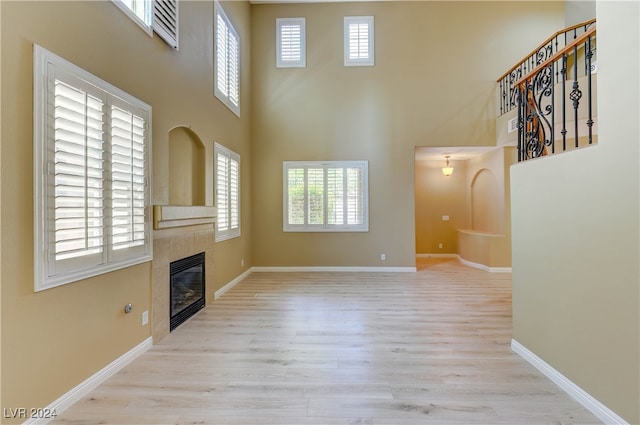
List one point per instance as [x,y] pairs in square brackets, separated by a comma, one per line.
[484,267]
[436,255]
[233,283]
[589,402]
[336,269]
[85,387]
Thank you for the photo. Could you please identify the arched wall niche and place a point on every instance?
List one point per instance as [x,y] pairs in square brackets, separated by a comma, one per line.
[485,202]
[187,167]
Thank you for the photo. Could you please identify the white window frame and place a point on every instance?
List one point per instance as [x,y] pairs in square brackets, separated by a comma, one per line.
[145,16]
[159,16]
[227,61]
[284,62]
[369,59]
[227,193]
[117,185]
[325,225]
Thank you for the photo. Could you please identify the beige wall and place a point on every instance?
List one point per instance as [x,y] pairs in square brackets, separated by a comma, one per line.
[437,195]
[55,339]
[486,240]
[433,85]
[576,283]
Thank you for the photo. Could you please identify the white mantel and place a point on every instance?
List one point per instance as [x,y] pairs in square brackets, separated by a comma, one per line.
[168,216]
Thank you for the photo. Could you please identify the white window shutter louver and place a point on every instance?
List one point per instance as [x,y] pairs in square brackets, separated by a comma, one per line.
[165,21]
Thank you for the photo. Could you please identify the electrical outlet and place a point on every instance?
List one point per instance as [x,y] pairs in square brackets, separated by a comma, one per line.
[440,245]
[242,263]
[445,218]
[145,317]
[383,257]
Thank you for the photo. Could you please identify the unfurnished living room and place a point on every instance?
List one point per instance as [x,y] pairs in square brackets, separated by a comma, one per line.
[319,212]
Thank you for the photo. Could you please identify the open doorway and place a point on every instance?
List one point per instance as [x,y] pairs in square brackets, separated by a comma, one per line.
[464,215]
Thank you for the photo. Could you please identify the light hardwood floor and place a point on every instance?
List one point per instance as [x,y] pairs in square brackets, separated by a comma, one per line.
[431,347]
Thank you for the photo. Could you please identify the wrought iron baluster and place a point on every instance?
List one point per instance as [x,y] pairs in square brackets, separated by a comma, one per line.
[564,102]
[576,94]
[588,56]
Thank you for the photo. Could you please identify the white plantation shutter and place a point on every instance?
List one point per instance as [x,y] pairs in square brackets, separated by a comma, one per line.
[227,55]
[295,190]
[325,196]
[222,55]
[234,194]
[91,171]
[222,191]
[315,195]
[233,73]
[227,189]
[78,170]
[165,20]
[354,199]
[335,196]
[290,42]
[358,41]
[128,177]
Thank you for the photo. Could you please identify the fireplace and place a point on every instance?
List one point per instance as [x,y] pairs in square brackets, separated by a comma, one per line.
[187,288]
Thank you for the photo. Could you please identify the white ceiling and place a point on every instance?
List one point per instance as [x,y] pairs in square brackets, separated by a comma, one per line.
[458,153]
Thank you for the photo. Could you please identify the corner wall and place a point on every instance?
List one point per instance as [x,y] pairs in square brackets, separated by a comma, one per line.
[576,278]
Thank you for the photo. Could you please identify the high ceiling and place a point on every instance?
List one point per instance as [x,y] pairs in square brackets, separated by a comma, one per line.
[458,153]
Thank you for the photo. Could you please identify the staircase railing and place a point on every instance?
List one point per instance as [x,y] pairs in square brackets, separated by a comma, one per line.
[559,80]
[552,45]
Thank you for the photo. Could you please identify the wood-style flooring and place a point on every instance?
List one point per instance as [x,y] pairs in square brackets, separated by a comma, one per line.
[431,347]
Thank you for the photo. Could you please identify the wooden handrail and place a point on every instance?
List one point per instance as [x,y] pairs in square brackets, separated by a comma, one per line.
[547,41]
[557,55]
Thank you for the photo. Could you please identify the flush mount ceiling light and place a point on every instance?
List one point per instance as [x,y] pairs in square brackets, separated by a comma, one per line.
[447,170]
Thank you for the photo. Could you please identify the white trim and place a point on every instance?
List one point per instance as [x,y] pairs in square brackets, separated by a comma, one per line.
[484,267]
[335,269]
[589,402]
[437,256]
[85,387]
[220,292]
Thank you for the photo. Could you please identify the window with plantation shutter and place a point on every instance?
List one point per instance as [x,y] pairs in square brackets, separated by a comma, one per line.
[165,21]
[159,16]
[325,196]
[91,148]
[290,43]
[227,189]
[358,41]
[227,58]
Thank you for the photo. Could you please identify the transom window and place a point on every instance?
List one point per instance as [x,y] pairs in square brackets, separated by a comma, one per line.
[92,143]
[227,56]
[327,196]
[358,41]
[290,43]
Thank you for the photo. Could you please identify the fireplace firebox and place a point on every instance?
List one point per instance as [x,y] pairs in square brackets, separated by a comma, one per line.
[187,285]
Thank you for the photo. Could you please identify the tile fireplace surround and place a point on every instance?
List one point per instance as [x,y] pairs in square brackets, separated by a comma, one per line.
[172,243]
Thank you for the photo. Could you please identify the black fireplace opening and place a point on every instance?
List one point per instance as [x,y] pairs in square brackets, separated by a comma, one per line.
[187,288]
